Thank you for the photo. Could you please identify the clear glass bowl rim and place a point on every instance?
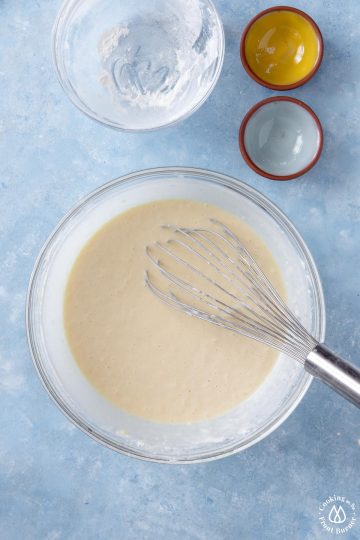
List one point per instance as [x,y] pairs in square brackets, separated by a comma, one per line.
[254,196]
[58,29]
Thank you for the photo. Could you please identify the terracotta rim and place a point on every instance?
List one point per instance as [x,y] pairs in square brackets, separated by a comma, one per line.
[282,86]
[246,156]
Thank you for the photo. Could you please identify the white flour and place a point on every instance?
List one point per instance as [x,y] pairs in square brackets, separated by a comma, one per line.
[110,41]
[160,60]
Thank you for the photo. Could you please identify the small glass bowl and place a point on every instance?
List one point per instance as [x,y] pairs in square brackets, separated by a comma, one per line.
[236,430]
[138,66]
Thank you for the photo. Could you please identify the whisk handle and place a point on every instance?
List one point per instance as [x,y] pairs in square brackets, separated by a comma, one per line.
[343,377]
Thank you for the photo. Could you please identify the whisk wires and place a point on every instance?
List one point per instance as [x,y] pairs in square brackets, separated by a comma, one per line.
[209,274]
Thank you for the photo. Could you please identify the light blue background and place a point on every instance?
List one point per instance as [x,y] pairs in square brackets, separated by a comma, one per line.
[56,483]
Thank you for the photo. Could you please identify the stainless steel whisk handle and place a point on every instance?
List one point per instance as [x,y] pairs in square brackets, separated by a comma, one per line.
[342,376]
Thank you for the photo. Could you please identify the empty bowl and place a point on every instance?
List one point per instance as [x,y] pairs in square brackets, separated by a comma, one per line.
[141,65]
[281,48]
[281,138]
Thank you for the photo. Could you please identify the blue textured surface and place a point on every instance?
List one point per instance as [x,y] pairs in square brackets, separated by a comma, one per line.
[56,483]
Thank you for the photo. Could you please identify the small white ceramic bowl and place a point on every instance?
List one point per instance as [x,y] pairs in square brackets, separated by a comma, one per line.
[281,138]
[138,65]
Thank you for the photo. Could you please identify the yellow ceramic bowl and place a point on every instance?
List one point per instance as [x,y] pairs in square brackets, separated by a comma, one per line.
[281,48]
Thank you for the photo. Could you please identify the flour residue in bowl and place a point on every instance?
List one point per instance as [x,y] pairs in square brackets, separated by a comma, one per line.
[160,60]
[144,357]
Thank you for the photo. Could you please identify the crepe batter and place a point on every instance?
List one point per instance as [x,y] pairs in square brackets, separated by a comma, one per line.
[146,358]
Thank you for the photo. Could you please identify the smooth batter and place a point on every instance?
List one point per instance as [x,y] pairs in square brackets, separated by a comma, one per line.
[143,356]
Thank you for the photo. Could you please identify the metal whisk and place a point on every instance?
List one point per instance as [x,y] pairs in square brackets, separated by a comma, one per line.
[209,274]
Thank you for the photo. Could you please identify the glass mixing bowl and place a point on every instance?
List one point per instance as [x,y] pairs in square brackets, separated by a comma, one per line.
[138,65]
[248,423]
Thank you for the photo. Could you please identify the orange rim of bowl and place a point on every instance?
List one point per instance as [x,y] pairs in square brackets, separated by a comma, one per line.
[248,159]
[282,86]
